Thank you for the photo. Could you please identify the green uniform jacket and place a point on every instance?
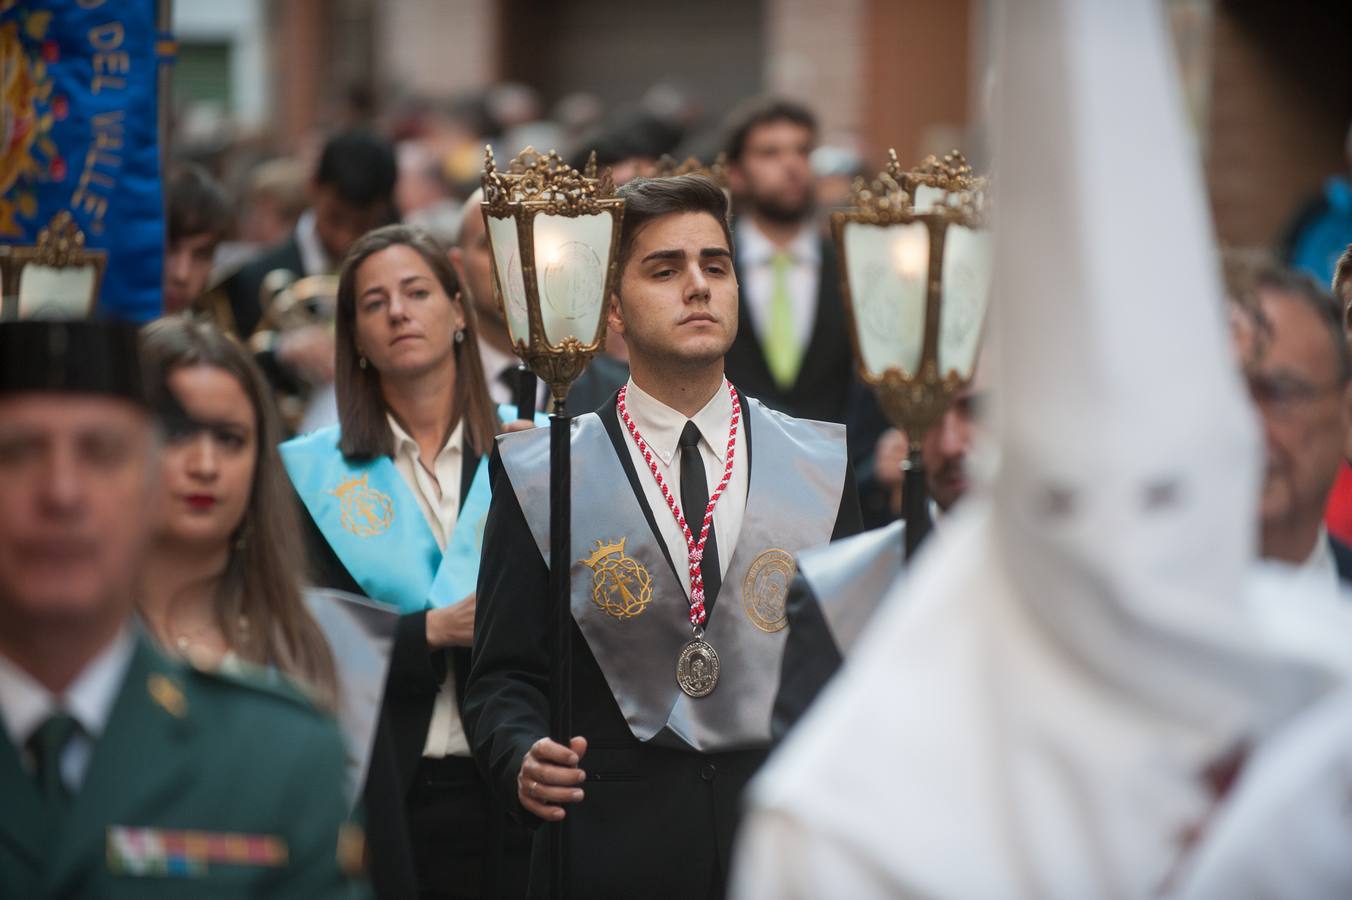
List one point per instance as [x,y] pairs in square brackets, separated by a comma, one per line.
[200,786]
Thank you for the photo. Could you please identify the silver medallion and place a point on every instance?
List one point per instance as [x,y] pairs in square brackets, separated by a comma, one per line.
[697,668]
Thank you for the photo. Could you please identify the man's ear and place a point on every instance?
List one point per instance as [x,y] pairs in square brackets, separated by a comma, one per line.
[614,317]
[457,258]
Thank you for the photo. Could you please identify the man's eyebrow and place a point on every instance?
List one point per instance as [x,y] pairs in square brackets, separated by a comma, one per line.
[706,253]
[663,254]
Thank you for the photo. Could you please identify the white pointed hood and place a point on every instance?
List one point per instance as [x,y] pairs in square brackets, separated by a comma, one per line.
[1125,504]
[1042,693]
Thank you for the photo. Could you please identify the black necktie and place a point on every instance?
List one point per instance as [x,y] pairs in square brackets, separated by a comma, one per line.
[48,744]
[694,498]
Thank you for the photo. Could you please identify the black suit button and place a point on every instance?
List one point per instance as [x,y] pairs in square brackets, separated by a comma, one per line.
[708,772]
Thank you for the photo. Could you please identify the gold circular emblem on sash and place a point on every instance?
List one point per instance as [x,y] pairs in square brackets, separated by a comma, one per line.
[365,511]
[621,586]
[766,589]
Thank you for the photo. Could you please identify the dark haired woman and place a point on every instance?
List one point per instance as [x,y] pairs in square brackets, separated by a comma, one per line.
[222,581]
[397,494]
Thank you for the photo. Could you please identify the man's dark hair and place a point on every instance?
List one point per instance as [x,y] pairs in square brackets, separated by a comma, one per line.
[764,111]
[626,135]
[360,167]
[646,199]
[1342,274]
[196,204]
[1302,287]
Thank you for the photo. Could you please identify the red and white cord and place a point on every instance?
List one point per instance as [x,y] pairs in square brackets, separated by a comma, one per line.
[694,548]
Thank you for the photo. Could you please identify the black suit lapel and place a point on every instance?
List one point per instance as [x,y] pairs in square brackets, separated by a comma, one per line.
[1342,559]
[746,353]
[290,258]
[468,468]
[826,324]
[619,439]
[21,812]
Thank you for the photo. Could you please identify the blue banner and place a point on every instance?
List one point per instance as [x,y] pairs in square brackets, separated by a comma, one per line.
[78,132]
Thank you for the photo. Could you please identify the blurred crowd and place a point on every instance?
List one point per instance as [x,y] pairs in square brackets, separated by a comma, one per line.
[256,235]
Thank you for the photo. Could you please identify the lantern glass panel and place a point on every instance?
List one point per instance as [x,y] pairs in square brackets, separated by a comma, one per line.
[966,293]
[888,267]
[510,283]
[572,254]
[928,198]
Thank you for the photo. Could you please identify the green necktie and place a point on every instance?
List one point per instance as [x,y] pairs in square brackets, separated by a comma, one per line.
[783,354]
[48,743]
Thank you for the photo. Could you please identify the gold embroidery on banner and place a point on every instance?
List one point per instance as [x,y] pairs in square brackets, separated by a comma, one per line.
[766,589]
[621,586]
[365,511]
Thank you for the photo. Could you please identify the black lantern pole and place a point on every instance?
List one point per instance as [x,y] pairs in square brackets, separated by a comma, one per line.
[524,388]
[915,502]
[561,673]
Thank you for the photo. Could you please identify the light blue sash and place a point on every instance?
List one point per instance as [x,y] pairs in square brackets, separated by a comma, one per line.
[374,524]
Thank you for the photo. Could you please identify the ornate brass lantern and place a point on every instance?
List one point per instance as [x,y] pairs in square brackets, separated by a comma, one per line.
[916,277]
[553,233]
[554,236]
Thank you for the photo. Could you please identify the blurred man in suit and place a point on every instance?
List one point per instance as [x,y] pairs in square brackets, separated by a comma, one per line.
[792,349]
[351,193]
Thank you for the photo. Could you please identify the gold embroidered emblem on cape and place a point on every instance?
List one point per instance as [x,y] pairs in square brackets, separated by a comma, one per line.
[765,590]
[365,511]
[621,586]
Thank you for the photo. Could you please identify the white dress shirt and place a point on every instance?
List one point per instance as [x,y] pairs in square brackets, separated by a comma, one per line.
[495,361]
[755,260]
[438,495]
[661,427]
[25,705]
[313,257]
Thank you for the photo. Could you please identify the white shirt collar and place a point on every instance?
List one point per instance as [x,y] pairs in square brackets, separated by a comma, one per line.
[25,704]
[661,426]
[404,443]
[1320,561]
[313,257]
[756,249]
[494,362]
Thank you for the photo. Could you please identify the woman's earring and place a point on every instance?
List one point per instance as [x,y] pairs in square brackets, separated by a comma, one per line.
[361,362]
[460,335]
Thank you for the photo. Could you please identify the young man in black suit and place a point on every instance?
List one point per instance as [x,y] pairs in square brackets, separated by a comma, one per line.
[689,498]
[793,348]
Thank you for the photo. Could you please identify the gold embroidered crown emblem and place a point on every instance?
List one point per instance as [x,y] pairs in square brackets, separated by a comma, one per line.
[365,511]
[621,586]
